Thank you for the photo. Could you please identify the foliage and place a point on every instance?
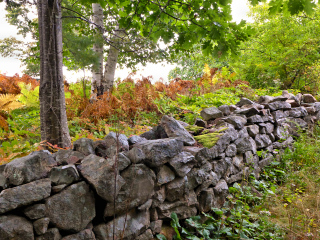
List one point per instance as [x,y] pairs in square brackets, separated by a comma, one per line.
[11,84]
[29,97]
[283,52]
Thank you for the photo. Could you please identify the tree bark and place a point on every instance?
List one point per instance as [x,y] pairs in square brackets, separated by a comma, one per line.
[53,117]
[110,67]
[97,69]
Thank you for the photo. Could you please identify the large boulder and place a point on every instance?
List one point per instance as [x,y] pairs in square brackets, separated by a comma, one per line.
[15,228]
[23,170]
[174,129]
[138,188]
[73,208]
[127,226]
[23,195]
[100,173]
[155,153]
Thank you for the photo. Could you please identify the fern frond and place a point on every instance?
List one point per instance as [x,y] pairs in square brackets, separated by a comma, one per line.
[3,123]
[9,102]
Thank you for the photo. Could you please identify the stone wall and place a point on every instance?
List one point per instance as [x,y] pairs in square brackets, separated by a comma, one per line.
[132,185]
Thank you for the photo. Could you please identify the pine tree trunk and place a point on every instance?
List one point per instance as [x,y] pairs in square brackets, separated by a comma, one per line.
[110,67]
[53,117]
[97,69]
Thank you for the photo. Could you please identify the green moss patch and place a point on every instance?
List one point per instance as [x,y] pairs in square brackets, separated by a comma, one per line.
[208,140]
[195,129]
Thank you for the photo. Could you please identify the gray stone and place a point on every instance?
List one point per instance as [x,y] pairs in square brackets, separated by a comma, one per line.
[15,228]
[86,234]
[223,142]
[153,214]
[211,179]
[131,225]
[160,132]
[238,161]
[159,197]
[182,163]
[269,127]
[175,130]
[65,157]
[192,150]
[233,108]
[237,121]
[183,124]
[145,206]
[244,101]
[242,175]
[149,135]
[265,99]
[281,132]
[3,179]
[176,189]
[231,150]
[308,98]
[200,123]
[138,188]
[255,119]
[206,200]
[165,175]
[66,174]
[225,109]
[51,234]
[73,208]
[211,113]
[221,191]
[266,161]
[100,148]
[195,177]
[155,153]
[253,130]
[279,98]
[23,195]
[296,123]
[220,168]
[262,141]
[35,211]
[246,144]
[23,170]
[205,155]
[279,106]
[99,172]
[155,226]
[123,161]
[278,115]
[251,158]
[84,146]
[298,112]
[147,235]
[247,111]
[59,188]
[310,110]
[243,133]
[135,139]
[41,225]
[116,143]
[316,106]
[181,208]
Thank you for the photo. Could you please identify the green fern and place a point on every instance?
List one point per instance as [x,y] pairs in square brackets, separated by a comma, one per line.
[29,97]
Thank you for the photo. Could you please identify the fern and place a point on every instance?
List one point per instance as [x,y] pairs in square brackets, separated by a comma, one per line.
[28,96]
[9,102]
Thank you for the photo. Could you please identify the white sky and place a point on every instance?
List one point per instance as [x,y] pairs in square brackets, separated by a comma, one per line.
[11,66]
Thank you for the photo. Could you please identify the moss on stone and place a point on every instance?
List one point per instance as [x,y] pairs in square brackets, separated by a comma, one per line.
[208,140]
[194,128]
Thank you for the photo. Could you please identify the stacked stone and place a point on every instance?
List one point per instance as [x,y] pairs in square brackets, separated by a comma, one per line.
[128,187]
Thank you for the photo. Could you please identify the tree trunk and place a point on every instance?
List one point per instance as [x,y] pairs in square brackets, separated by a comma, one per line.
[97,69]
[53,117]
[110,67]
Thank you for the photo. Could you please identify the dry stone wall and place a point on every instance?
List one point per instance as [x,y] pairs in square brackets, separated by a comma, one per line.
[128,187]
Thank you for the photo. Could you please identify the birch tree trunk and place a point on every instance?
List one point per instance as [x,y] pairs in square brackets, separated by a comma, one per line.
[110,67]
[97,69]
[53,117]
